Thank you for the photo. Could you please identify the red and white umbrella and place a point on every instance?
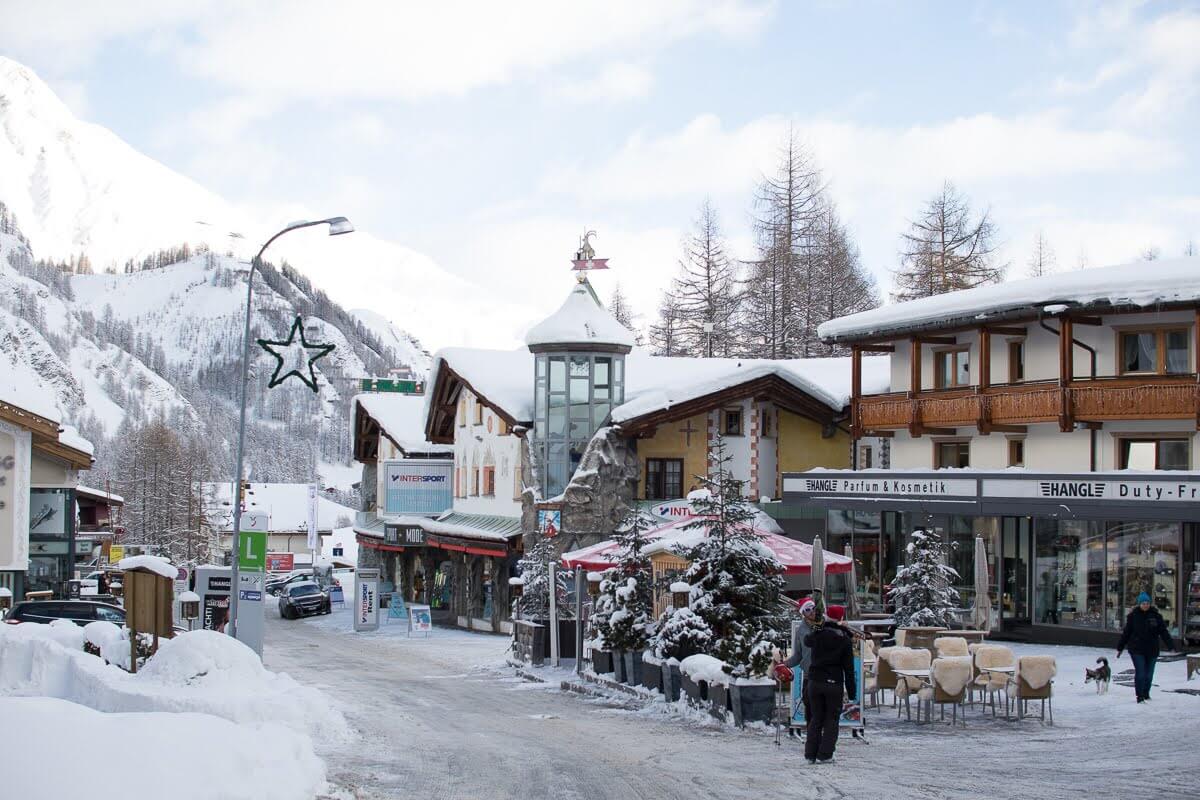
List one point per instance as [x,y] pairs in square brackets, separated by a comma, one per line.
[794,556]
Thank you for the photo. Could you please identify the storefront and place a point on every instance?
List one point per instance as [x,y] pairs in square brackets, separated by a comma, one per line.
[1068,554]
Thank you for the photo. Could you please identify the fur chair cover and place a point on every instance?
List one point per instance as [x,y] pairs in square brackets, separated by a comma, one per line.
[993,655]
[952,673]
[950,646]
[908,658]
[1037,671]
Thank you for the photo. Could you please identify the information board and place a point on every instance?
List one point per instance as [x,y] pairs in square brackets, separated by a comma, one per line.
[420,620]
[366,600]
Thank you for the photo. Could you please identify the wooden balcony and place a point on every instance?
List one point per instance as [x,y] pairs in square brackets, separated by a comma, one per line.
[1007,406]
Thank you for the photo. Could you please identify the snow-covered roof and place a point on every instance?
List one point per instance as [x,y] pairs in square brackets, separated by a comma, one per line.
[402,418]
[69,436]
[99,494]
[156,564]
[503,377]
[16,391]
[286,503]
[1142,284]
[488,527]
[655,383]
[580,320]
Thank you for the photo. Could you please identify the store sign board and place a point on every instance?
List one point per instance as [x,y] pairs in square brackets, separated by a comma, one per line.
[417,486]
[882,486]
[404,535]
[1063,489]
[366,600]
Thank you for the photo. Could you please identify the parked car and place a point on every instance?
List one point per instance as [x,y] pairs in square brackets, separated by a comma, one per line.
[81,612]
[276,586]
[302,599]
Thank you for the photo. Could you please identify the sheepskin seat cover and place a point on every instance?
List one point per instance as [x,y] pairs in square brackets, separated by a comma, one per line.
[952,673]
[908,658]
[950,646]
[1037,671]
[993,655]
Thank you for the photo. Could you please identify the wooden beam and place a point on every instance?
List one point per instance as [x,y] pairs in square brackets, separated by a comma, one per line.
[914,367]
[936,431]
[937,340]
[1008,428]
[985,359]
[1085,320]
[1066,373]
[876,348]
[855,390]
[879,434]
[1001,330]
[1196,356]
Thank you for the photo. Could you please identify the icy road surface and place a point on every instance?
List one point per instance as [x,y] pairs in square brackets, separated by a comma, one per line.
[443,717]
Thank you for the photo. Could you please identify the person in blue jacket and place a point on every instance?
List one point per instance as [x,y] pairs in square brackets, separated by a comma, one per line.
[1144,629]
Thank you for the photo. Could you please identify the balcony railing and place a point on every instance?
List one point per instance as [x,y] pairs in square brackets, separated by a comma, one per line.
[1091,400]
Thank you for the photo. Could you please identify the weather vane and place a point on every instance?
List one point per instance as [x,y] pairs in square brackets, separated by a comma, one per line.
[295,358]
[585,257]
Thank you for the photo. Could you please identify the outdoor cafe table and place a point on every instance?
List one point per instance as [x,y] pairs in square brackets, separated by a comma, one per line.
[923,676]
[1006,671]
[970,636]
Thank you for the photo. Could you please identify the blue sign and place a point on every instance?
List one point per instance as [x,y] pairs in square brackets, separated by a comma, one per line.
[336,596]
[418,486]
[248,594]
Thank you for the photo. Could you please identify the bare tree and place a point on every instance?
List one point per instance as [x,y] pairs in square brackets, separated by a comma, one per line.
[946,249]
[1151,254]
[843,286]
[1042,260]
[1189,249]
[666,338]
[781,282]
[706,292]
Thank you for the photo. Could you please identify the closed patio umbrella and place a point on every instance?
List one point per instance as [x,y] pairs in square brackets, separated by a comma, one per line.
[818,575]
[852,610]
[981,611]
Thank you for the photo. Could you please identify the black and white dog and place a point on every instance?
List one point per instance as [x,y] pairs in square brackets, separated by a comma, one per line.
[1102,675]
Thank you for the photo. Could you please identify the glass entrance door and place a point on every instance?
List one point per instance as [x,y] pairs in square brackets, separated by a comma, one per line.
[1014,569]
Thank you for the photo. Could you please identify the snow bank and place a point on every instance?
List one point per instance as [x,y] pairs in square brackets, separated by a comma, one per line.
[156,564]
[201,671]
[705,668]
[150,754]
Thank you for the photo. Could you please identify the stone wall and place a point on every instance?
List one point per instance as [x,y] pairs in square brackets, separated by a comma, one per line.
[602,491]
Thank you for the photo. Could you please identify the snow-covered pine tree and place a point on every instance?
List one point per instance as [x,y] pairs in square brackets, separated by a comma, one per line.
[534,568]
[921,591]
[735,580]
[680,633]
[630,621]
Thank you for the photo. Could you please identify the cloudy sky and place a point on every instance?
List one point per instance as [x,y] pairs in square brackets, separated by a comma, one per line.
[487,135]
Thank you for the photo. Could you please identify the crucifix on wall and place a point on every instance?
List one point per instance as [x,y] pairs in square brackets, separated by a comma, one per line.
[687,431]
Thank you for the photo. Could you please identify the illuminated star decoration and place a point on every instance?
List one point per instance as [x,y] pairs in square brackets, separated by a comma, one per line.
[295,357]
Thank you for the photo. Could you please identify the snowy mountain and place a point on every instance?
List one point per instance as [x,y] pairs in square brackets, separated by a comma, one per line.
[407,349]
[79,189]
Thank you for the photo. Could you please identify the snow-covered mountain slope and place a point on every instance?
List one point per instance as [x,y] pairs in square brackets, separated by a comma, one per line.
[78,188]
[407,349]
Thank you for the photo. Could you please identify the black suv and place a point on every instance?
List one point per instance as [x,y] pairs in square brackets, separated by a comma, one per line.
[302,599]
[81,612]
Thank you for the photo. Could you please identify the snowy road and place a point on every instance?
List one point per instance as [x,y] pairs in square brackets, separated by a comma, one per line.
[443,718]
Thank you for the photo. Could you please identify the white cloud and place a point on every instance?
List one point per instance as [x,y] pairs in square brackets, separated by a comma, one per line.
[615,82]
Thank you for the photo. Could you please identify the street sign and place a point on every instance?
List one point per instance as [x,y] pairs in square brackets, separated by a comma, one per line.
[252,554]
[314,543]
[115,553]
[392,385]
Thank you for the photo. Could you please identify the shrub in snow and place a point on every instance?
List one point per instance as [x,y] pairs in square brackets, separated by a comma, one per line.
[681,633]
[736,582]
[627,589]
[921,591]
[534,566]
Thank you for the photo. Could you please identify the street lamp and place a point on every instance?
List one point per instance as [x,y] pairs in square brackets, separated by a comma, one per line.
[337,226]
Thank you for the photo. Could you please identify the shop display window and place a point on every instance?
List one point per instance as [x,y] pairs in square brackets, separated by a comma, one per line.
[1068,573]
[1143,557]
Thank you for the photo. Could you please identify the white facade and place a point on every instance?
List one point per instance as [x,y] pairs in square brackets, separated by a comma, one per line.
[1045,447]
[483,445]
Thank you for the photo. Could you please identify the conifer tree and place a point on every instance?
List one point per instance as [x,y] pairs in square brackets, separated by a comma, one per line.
[534,568]
[921,590]
[706,291]
[627,586]
[946,249]
[736,582]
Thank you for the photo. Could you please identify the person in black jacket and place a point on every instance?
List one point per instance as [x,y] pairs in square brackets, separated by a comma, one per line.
[829,678]
[1144,629]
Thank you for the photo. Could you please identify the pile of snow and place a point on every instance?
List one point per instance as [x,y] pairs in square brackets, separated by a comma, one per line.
[149,755]
[705,668]
[201,671]
[156,564]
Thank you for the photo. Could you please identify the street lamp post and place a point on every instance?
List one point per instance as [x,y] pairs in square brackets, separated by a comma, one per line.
[337,226]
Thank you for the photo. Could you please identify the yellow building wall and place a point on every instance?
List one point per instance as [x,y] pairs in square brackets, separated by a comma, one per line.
[670,442]
[802,448]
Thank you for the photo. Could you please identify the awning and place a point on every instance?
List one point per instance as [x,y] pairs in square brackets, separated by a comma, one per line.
[795,556]
[477,534]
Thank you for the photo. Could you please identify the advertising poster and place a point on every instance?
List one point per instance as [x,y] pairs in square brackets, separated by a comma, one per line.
[366,600]
[314,542]
[48,512]
[417,486]
[281,562]
[216,612]
[419,620]
[549,522]
[851,717]
[14,494]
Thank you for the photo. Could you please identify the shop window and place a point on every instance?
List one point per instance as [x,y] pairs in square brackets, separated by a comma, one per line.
[489,481]
[951,454]
[731,422]
[664,478]
[1016,452]
[1016,361]
[1162,351]
[1142,557]
[1068,573]
[952,368]
[1152,454]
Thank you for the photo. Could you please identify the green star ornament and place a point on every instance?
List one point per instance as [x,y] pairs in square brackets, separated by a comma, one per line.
[295,357]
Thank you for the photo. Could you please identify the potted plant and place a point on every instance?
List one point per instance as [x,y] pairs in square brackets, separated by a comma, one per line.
[628,585]
[652,672]
[680,633]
